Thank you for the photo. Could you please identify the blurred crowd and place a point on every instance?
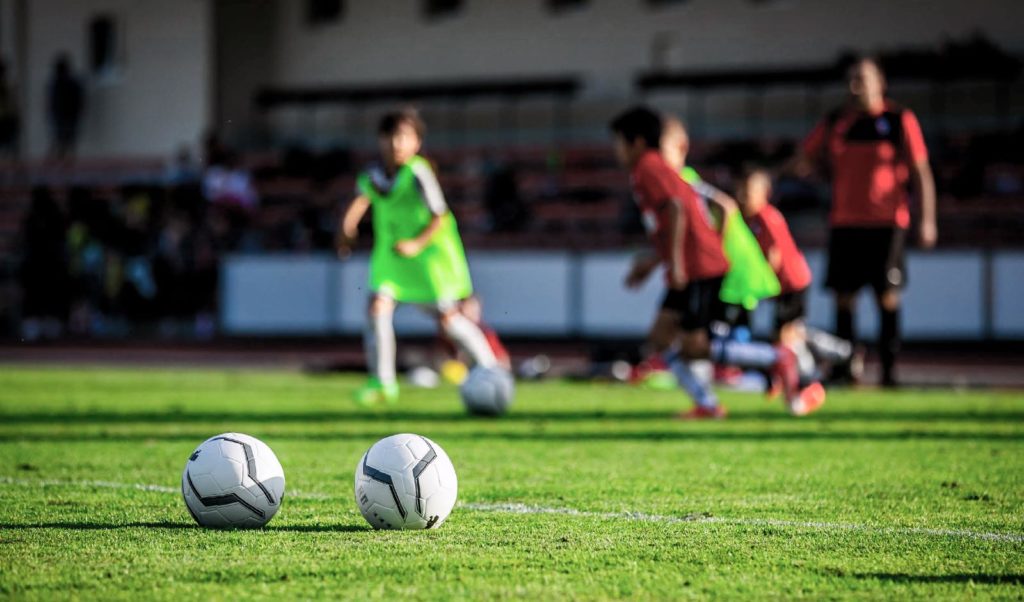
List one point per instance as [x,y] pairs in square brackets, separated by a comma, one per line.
[112,261]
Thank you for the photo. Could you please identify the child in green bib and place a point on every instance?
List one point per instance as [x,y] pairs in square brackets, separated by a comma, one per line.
[417,254]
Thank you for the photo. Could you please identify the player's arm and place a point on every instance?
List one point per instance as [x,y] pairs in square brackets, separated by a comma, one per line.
[348,226]
[924,189]
[643,264]
[430,191]
[722,205]
[922,180]
[676,240]
[410,247]
[804,164]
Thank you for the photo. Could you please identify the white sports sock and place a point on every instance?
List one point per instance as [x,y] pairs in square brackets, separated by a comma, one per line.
[470,339]
[379,347]
[828,347]
[743,354]
[688,381]
[805,361]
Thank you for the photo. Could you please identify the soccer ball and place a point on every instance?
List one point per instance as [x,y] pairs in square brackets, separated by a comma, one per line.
[405,482]
[488,391]
[232,480]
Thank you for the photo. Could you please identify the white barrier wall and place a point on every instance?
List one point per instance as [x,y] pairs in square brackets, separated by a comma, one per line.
[554,294]
[1008,295]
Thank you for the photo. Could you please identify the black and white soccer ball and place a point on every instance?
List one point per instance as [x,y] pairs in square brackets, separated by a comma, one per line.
[488,391]
[405,482]
[232,481]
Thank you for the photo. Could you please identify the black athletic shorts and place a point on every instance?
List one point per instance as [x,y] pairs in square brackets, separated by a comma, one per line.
[790,307]
[697,305]
[859,257]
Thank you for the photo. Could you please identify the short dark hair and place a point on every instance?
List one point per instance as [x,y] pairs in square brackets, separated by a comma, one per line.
[390,121]
[638,122]
[849,61]
[752,168]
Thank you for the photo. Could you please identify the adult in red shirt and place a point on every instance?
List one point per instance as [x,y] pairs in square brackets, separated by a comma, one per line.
[871,149]
[691,252]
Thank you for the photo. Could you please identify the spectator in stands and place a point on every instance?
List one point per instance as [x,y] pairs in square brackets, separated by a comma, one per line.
[183,170]
[66,102]
[9,121]
[89,236]
[227,183]
[137,293]
[44,268]
[871,149]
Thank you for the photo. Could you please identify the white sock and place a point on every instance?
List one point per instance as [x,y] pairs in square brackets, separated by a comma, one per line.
[743,354]
[379,347]
[828,346]
[805,361]
[698,392]
[470,339]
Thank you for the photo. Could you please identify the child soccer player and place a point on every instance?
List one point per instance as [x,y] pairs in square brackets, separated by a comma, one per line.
[691,252]
[417,254]
[773,235]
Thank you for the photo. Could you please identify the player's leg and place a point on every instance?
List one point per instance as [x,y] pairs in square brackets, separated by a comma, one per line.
[889,334]
[680,362]
[850,262]
[887,282]
[684,316]
[379,347]
[473,309]
[465,334]
[664,340]
[790,331]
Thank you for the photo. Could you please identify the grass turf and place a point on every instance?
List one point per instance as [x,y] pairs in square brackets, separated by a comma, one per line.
[857,487]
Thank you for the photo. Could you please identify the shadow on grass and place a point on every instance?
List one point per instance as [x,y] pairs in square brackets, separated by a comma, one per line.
[691,434]
[70,526]
[983,578]
[345,416]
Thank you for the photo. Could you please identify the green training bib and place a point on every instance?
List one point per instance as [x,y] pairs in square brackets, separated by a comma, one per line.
[439,273]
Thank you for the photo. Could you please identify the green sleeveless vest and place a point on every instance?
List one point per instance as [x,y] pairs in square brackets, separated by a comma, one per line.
[439,273]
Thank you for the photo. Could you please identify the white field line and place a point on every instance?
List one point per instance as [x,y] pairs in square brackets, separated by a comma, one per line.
[517,508]
[138,486]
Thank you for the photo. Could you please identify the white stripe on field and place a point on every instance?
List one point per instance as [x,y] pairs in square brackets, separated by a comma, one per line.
[138,486]
[517,508]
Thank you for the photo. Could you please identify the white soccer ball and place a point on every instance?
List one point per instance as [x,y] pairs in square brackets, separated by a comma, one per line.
[406,482]
[232,480]
[488,391]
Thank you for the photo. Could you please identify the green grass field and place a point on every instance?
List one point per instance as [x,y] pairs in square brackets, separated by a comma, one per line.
[584,491]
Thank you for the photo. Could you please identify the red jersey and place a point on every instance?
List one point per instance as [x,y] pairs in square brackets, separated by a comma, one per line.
[771,231]
[655,184]
[869,156]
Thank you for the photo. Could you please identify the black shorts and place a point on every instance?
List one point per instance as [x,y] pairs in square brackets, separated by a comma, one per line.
[859,257]
[697,305]
[790,307]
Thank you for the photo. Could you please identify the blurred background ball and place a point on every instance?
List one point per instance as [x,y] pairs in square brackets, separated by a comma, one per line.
[487,391]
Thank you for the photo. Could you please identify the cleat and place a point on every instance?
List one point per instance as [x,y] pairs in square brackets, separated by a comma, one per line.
[703,413]
[809,401]
[374,392]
